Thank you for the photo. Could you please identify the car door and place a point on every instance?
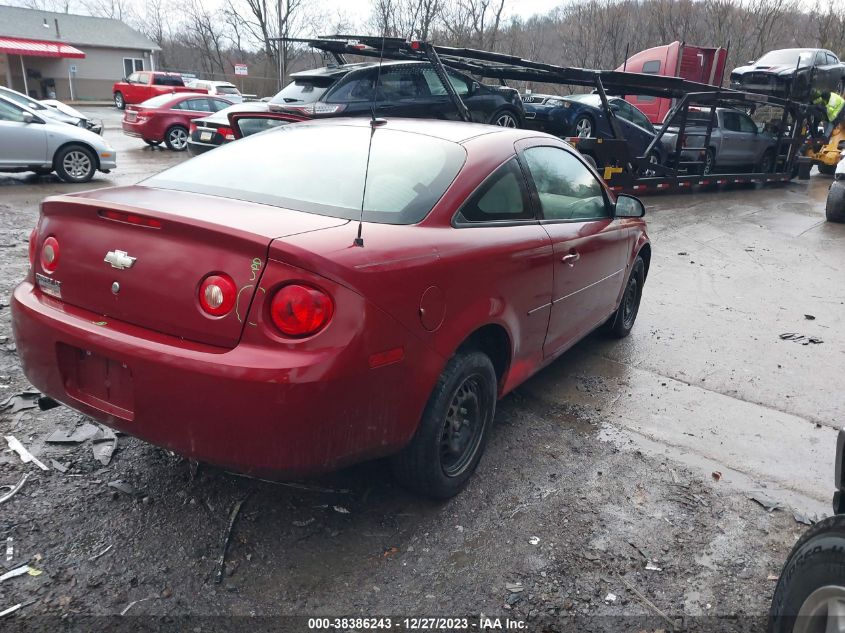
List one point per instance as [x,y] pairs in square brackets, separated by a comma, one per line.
[23,143]
[403,92]
[590,246]
[822,72]
[442,105]
[730,150]
[752,144]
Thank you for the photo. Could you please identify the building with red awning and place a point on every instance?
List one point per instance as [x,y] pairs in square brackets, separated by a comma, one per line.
[68,57]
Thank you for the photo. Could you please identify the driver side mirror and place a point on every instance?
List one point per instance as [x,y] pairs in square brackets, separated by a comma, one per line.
[28,118]
[628,207]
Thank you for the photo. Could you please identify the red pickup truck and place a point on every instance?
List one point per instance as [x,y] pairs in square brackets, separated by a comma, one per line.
[145,84]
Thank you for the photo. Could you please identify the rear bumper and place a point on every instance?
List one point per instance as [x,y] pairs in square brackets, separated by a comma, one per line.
[140,130]
[195,148]
[264,411]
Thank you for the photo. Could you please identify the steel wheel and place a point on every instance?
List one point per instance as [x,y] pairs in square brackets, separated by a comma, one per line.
[652,160]
[177,138]
[77,164]
[463,427]
[822,612]
[505,119]
[708,162]
[119,101]
[630,305]
[583,127]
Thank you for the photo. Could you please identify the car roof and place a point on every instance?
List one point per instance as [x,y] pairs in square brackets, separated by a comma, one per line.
[343,69]
[452,131]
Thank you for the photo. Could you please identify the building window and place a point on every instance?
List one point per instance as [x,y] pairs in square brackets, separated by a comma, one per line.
[131,65]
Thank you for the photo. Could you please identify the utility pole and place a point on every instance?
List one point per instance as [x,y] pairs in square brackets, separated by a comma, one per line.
[282,45]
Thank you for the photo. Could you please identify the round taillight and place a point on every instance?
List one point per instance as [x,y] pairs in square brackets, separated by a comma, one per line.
[299,310]
[32,237]
[50,255]
[218,294]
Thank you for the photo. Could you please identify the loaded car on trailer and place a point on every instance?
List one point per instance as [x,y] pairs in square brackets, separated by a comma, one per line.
[792,73]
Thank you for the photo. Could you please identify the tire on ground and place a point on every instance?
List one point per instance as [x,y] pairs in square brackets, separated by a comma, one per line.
[835,207]
[69,176]
[420,465]
[816,561]
[622,321]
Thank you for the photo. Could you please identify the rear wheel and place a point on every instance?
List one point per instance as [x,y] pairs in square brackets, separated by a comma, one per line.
[653,159]
[583,126]
[766,162]
[810,594]
[835,207]
[452,433]
[75,163]
[709,162]
[504,118]
[176,138]
[119,101]
[622,321]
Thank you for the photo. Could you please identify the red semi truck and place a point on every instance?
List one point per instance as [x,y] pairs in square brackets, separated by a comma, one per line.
[145,84]
[695,63]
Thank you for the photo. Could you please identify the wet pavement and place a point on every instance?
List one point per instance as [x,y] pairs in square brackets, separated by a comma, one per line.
[599,465]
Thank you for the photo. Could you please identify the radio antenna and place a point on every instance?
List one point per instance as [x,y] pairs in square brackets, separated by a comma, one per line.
[374,123]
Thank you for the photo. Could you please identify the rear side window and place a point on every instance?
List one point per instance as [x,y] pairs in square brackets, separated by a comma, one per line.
[160,100]
[401,84]
[652,67]
[259,124]
[197,105]
[143,78]
[168,80]
[359,87]
[435,86]
[304,90]
[502,197]
[408,173]
[566,188]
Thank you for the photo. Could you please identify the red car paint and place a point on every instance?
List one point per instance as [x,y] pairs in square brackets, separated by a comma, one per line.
[233,390]
[146,84]
[151,122]
[695,63]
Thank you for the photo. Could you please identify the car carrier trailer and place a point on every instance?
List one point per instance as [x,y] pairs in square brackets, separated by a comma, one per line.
[622,170]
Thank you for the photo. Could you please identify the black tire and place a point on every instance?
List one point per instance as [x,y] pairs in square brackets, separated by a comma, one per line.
[622,321]
[75,163]
[445,451]
[709,162]
[176,138]
[766,162]
[584,126]
[653,159]
[825,169]
[119,101]
[817,561]
[835,208]
[505,117]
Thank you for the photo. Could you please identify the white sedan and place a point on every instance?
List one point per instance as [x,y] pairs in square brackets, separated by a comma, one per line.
[30,142]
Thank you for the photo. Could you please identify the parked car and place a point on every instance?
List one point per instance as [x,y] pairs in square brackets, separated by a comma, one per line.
[38,143]
[95,125]
[405,89]
[583,115]
[791,72]
[810,592]
[296,329]
[51,111]
[703,64]
[735,141]
[217,88]
[166,118]
[212,131]
[140,86]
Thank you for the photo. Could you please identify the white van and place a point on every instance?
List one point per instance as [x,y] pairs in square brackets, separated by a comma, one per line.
[224,89]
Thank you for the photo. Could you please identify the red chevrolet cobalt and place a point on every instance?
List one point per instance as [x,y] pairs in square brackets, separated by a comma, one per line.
[371,290]
[167,118]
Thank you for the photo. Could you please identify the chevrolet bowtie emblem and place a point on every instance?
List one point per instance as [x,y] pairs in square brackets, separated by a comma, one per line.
[119,259]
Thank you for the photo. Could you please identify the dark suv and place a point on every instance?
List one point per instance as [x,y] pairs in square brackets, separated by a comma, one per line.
[399,88]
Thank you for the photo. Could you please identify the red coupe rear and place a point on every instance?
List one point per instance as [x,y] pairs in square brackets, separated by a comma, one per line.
[166,118]
[235,310]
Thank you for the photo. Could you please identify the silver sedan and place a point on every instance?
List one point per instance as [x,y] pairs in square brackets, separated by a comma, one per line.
[29,142]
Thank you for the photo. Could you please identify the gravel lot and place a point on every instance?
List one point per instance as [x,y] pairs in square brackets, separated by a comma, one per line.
[596,495]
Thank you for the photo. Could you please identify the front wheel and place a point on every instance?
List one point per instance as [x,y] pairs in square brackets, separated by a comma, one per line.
[583,126]
[835,208]
[622,321]
[119,101]
[825,169]
[810,594]
[176,138]
[452,433]
[75,163]
[766,162]
[504,118]
[709,162]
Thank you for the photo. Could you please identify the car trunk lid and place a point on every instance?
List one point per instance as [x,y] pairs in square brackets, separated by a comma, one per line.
[176,240]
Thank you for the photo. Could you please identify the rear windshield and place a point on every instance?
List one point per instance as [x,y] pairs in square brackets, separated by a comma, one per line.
[167,80]
[787,56]
[304,90]
[227,90]
[321,169]
[157,102]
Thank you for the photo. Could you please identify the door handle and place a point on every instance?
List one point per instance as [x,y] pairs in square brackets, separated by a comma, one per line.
[571,258]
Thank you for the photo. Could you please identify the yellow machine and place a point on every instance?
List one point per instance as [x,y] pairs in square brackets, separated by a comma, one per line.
[826,157]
